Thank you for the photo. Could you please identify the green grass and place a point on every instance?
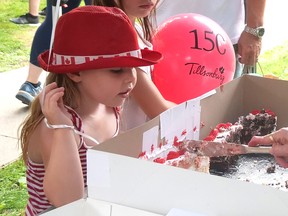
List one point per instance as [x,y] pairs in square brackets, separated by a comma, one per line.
[13,190]
[14,53]
[15,39]
[275,61]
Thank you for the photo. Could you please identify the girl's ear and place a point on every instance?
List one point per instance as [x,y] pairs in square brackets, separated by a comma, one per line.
[74,76]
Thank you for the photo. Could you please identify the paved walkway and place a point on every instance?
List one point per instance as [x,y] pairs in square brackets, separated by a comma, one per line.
[12,112]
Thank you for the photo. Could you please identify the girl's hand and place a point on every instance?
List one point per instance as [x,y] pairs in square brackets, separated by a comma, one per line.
[52,105]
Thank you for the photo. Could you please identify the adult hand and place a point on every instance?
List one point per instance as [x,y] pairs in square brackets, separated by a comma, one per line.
[249,47]
[279,142]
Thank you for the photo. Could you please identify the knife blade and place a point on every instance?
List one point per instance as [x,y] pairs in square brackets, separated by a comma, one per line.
[217,149]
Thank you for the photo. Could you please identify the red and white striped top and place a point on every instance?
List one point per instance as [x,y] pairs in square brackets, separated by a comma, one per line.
[38,202]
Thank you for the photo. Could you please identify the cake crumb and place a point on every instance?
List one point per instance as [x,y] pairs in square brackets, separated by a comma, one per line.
[286,184]
[271,169]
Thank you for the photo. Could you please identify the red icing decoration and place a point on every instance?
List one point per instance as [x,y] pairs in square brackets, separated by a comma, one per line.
[159,160]
[255,112]
[175,141]
[152,148]
[142,154]
[214,132]
[270,112]
[224,125]
[209,138]
[172,155]
[184,132]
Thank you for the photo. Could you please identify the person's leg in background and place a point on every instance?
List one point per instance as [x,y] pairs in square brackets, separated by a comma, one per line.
[88,2]
[41,42]
[43,12]
[32,17]
[238,69]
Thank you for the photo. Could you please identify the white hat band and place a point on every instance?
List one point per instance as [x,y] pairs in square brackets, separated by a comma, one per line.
[76,60]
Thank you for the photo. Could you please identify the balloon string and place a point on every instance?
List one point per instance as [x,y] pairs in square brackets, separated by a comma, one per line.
[72,128]
[56,13]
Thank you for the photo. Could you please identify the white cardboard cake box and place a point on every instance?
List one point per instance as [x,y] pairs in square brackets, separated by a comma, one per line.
[92,207]
[116,175]
[241,96]
[118,179]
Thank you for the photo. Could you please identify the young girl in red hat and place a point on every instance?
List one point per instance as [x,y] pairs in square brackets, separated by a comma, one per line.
[146,102]
[78,108]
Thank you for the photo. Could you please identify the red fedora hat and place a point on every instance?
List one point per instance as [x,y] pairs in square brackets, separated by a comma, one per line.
[95,37]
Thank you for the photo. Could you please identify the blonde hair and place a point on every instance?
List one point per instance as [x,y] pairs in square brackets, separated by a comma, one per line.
[35,115]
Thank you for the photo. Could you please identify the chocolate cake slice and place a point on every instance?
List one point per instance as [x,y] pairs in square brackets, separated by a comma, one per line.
[257,123]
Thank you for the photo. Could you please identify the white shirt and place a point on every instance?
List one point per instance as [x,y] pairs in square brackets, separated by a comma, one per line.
[132,114]
[229,14]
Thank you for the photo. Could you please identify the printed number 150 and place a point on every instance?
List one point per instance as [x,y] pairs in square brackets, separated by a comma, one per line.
[212,39]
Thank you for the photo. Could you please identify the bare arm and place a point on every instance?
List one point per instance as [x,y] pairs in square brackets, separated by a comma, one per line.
[249,46]
[148,96]
[63,180]
[255,12]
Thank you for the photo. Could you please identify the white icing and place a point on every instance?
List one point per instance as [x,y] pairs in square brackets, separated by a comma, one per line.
[224,133]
